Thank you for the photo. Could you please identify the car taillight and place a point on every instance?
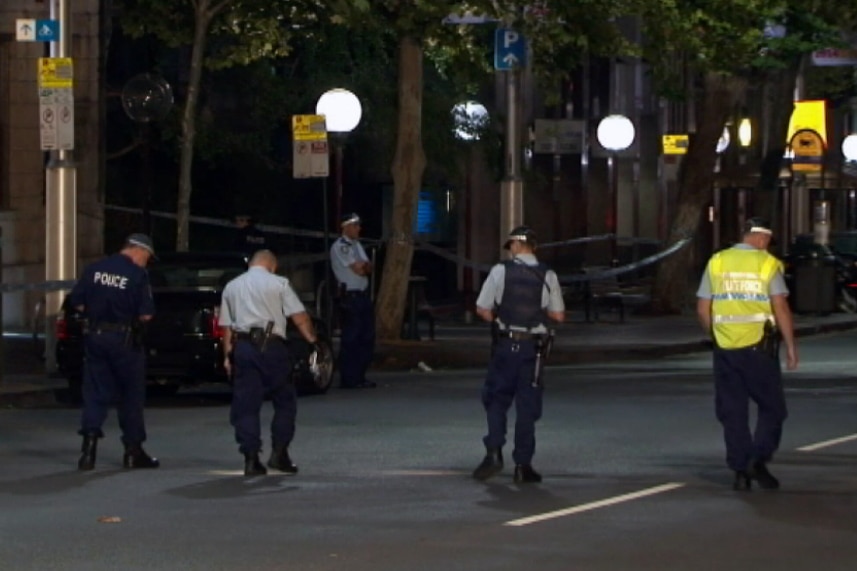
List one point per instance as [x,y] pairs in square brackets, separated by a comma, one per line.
[61,328]
[214,328]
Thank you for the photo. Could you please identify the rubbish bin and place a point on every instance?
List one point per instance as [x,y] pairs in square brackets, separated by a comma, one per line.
[814,284]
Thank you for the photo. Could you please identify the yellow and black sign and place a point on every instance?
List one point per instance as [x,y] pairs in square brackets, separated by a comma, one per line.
[808,151]
[675,144]
[309,128]
[56,73]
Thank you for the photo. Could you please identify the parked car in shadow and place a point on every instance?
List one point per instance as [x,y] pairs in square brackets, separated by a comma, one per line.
[183,342]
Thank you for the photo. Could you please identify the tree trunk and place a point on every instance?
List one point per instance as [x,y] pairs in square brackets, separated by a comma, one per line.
[407,170]
[714,106]
[202,21]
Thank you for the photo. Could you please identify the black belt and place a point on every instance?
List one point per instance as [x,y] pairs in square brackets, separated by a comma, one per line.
[244,336]
[109,328]
[519,335]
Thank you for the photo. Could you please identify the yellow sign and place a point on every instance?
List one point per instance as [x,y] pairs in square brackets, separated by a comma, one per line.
[309,128]
[808,150]
[808,116]
[56,73]
[675,144]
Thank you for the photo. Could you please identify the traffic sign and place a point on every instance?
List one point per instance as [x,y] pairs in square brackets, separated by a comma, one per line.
[32,30]
[25,29]
[47,30]
[56,119]
[309,128]
[510,49]
[558,136]
[676,144]
[56,72]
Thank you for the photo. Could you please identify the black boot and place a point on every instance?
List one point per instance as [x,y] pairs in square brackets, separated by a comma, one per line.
[136,457]
[252,466]
[491,464]
[280,460]
[87,452]
[763,476]
[524,474]
[742,481]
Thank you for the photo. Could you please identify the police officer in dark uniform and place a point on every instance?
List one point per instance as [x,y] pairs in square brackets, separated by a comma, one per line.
[352,269]
[518,298]
[115,299]
[742,302]
[255,309]
[249,238]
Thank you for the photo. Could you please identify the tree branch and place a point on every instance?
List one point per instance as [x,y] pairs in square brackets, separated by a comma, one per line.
[122,152]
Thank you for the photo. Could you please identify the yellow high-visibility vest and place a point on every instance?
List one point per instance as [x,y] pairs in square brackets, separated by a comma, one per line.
[741,304]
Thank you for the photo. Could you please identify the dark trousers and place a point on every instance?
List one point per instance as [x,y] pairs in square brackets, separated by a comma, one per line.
[357,344]
[257,374]
[510,377]
[113,373]
[741,375]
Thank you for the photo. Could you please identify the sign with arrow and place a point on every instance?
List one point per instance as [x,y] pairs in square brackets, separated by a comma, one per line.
[510,49]
[32,30]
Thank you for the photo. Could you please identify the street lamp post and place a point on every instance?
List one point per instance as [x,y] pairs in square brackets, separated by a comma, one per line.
[469,118]
[342,112]
[615,133]
[849,151]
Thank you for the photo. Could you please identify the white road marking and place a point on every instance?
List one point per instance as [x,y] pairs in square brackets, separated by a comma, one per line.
[827,443]
[595,505]
[226,472]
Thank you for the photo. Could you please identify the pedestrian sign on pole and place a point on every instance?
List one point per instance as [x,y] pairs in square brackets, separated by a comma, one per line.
[510,49]
[310,154]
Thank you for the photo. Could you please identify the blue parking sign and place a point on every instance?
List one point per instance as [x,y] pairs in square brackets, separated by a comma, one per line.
[510,49]
[47,30]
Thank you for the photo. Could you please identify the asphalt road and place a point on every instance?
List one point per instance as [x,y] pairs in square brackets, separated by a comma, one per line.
[631,454]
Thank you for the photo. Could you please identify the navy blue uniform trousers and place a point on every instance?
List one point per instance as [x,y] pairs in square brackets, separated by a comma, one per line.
[357,344]
[741,375]
[112,373]
[510,377]
[259,373]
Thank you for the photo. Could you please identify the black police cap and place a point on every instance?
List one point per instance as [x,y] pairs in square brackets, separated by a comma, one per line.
[757,224]
[523,234]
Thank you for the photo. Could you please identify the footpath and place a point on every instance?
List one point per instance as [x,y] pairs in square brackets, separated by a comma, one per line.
[459,345]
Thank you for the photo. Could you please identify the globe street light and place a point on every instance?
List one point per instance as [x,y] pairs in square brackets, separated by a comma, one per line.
[342,112]
[615,133]
[849,148]
[470,118]
[147,98]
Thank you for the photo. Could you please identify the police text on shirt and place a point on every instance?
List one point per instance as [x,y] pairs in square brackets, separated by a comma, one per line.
[111,280]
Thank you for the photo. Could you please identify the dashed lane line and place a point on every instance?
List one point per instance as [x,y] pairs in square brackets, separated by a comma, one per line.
[827,443]
[595,505]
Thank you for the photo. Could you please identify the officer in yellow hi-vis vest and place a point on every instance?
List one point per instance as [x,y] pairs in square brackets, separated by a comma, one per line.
[742,303]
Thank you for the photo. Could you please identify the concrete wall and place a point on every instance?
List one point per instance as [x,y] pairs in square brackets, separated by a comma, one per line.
[22,163]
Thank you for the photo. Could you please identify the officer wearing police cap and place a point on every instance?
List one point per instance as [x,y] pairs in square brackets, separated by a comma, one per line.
[519,297]
[352,268]
[742,300]
[115,299]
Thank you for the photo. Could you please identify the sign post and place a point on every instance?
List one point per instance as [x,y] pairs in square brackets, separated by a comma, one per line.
[311,159]
[510,54]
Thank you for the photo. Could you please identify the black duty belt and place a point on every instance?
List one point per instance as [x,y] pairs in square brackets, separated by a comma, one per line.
[356,293]
[244,336]
[519,335]
[109,328]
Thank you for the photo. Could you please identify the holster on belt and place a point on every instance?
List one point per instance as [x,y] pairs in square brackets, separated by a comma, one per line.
[544,344]
[266,336]
[770,343]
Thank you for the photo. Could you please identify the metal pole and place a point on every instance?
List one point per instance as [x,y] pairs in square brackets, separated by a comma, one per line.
[512,186]
[2,342]
[614,207]
[338,155]
[60,205]
[327,307]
